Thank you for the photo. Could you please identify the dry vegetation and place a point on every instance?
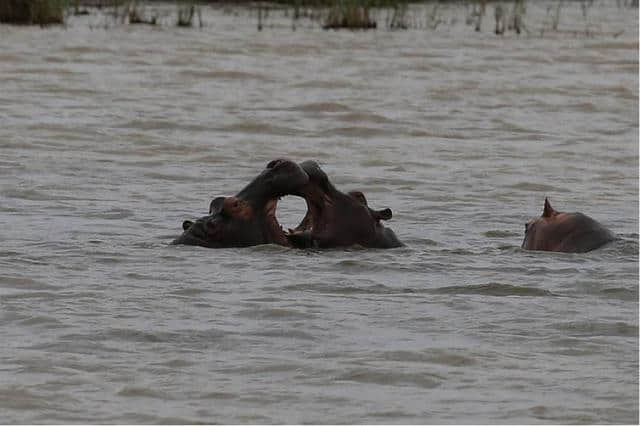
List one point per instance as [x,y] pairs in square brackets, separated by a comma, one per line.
[32,12]
[499,16]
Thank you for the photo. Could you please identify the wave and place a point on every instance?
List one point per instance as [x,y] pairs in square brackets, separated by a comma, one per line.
[494,289]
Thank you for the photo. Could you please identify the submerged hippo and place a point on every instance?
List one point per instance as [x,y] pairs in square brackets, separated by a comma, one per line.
[333,219]
[565,232]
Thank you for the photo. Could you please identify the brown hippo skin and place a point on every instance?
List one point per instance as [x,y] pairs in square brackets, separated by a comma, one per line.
[336,219]
[333,219]
[564,232]
[248,218]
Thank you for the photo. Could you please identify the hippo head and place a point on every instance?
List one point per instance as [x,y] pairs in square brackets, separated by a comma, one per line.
[336,219]
[564,232]
[248,218]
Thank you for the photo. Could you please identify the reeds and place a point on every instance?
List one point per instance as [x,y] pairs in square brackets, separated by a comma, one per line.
[509,15]
[32,12]
[186,15]
[512,20]
[136,15]
[399,18]
[352,14]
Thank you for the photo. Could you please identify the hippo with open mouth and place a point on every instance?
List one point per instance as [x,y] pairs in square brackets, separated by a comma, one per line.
[336,219]
[564,232]
[333,219]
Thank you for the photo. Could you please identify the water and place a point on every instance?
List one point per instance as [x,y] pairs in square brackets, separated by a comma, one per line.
[110,138]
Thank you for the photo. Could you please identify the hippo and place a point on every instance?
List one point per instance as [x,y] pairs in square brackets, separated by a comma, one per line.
[564,232]
[248,218]
[333,219]
[336,219]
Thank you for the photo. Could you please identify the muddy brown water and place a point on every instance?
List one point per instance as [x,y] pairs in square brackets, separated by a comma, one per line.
[111,137]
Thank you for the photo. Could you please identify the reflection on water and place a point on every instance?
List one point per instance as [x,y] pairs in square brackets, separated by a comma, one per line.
[111,138]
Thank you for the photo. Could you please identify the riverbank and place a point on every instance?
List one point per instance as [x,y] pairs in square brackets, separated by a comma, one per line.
[32,12]
[519,17]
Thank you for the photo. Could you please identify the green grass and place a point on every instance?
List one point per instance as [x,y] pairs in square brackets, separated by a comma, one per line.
[32,12]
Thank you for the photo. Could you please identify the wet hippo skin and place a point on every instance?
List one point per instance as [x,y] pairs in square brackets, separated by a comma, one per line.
[564,232]
[333,218]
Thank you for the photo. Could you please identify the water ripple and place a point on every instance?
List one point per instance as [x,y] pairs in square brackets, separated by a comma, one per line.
[495,289]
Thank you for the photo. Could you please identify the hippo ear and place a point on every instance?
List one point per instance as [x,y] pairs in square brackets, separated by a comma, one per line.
[186,225]
[216,205]
[548,210]
[384,214]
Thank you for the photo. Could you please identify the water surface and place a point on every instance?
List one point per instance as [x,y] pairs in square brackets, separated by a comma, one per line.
[110,138]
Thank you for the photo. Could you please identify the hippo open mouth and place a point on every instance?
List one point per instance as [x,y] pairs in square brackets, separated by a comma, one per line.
[336,219]
[333,219]
[233,222]
[248,218]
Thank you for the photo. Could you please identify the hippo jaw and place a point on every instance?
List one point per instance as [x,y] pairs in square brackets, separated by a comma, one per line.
[242,228]
[281,177]
[249,217]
